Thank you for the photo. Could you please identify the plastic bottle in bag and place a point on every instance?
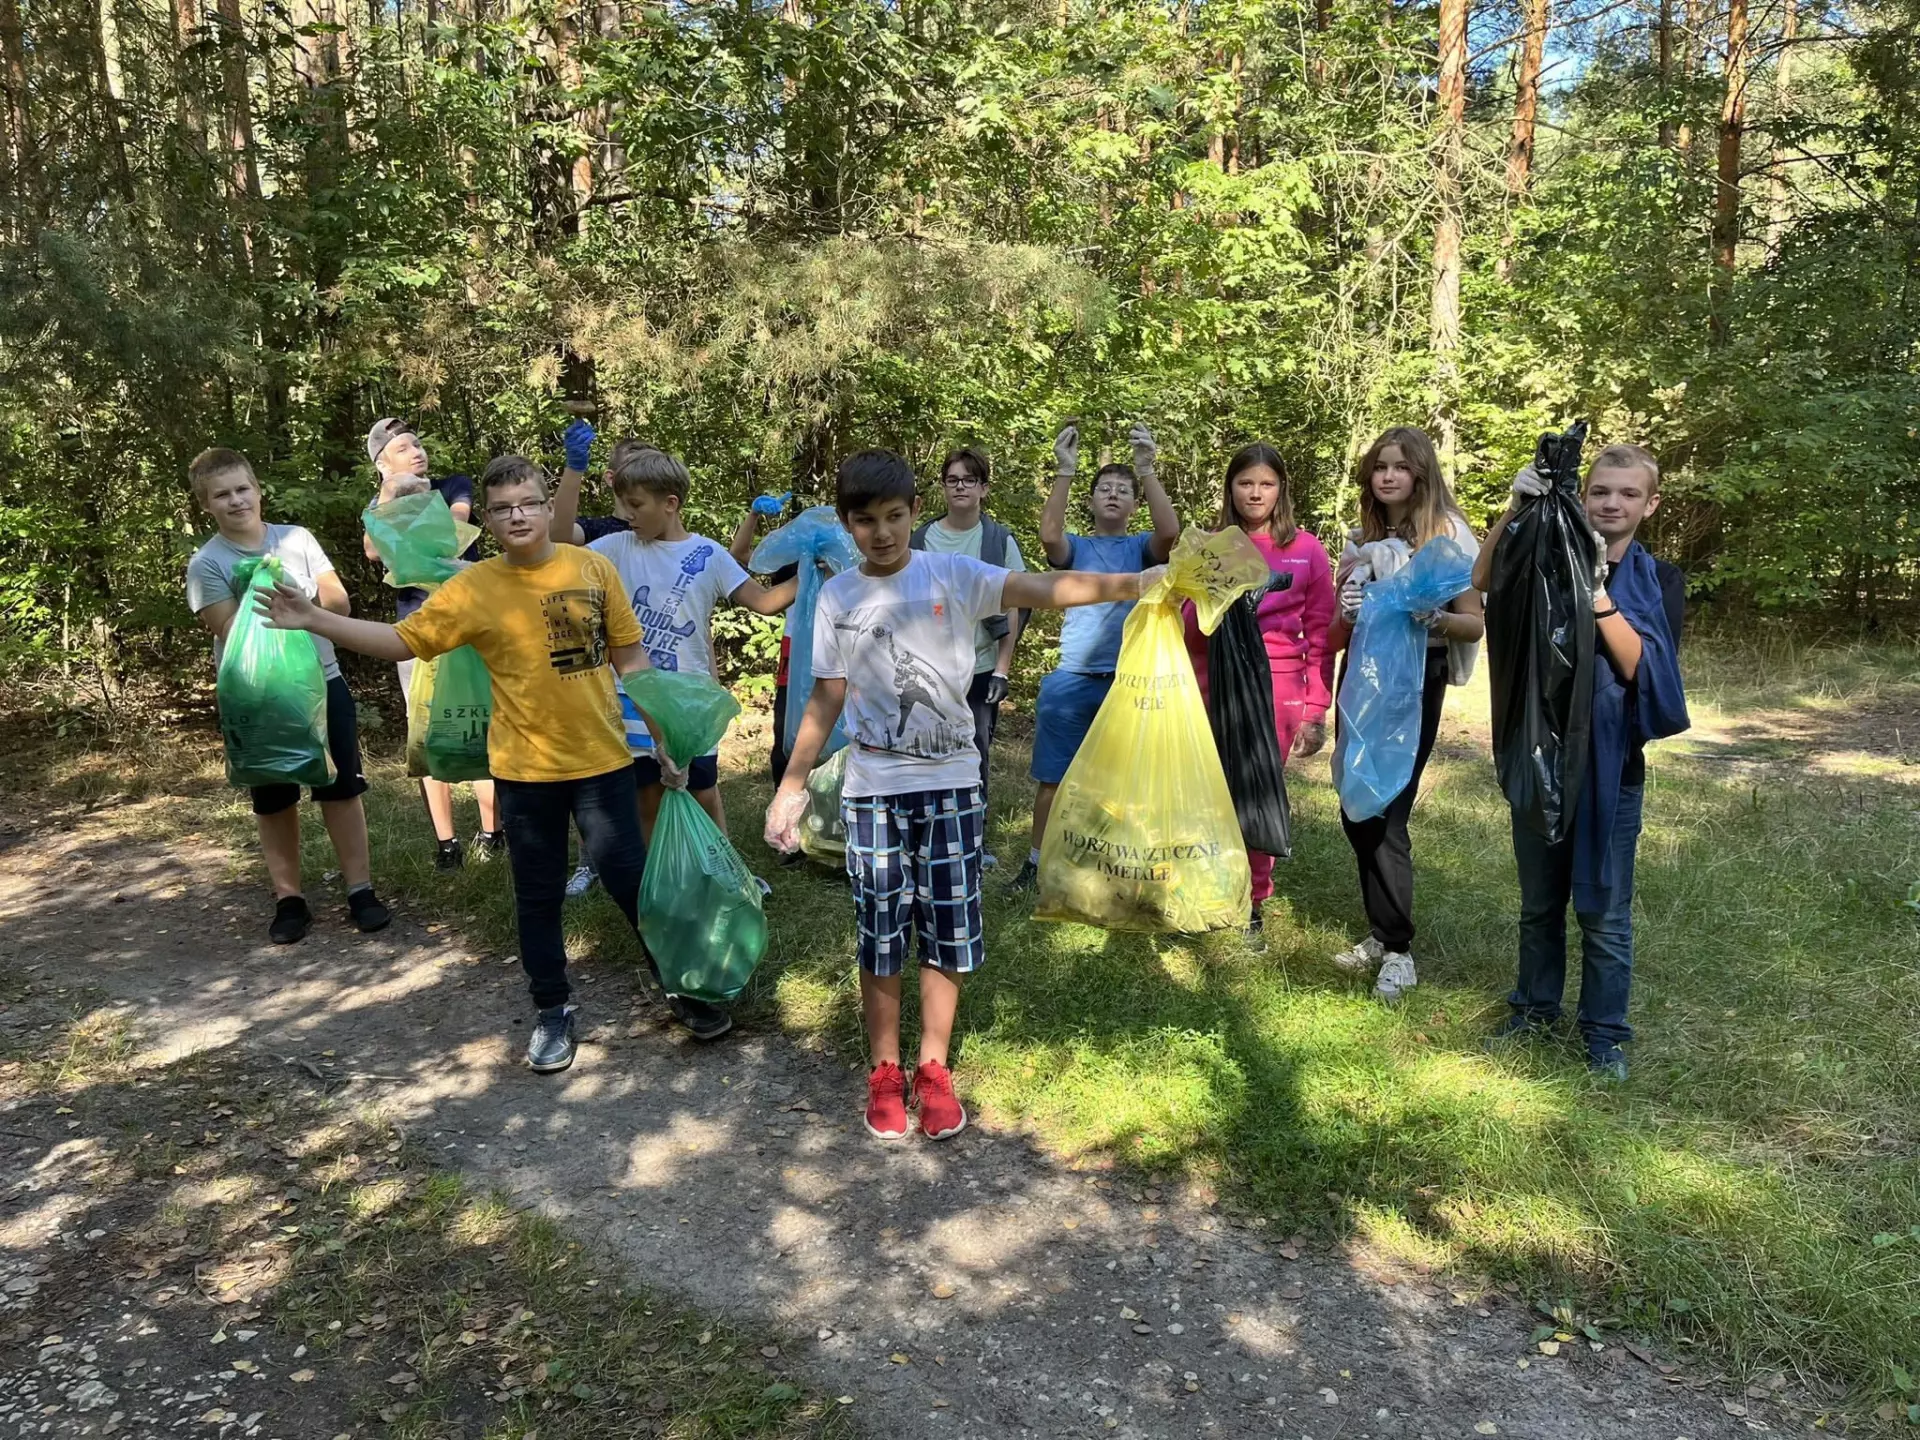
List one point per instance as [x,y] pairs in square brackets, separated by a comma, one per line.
[272,694]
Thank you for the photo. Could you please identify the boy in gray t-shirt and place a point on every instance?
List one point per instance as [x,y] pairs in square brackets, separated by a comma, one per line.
[224,484]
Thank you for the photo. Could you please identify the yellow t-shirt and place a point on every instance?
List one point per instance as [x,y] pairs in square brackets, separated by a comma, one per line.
[544,631]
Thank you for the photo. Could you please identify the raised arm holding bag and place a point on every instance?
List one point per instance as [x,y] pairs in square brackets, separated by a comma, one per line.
[1540,639]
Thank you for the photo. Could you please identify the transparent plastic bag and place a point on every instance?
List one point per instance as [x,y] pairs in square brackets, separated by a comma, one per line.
[813,538]
[699,905]
[417,539]
[1143,833]
[823,829]
[1380,696]
[272,694]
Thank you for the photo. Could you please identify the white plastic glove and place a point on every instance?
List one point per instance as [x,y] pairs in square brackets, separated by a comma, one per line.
[1145,451]
[1066,450]
[1352,591]
[1529,484]
[783,820]
[673,776]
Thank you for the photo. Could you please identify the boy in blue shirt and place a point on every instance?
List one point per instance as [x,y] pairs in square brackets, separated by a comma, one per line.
[1090,636]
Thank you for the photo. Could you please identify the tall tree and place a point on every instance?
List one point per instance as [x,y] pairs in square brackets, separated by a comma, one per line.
[1526,105]
[1444,329]
[1726,194]
[22,144]
[1779,194]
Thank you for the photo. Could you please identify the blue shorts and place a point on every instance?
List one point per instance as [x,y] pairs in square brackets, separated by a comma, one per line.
[915,865]
[703,774]
[1068,702]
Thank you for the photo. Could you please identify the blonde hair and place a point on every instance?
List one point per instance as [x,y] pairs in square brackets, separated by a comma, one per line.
[209,465]
[1431,510]
[1627,457]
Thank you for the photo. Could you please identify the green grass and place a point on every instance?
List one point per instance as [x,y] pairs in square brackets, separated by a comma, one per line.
[1755,1187]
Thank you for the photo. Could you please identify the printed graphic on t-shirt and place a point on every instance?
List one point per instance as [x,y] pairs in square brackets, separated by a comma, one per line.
[658,615]
[576,629]
[918,725]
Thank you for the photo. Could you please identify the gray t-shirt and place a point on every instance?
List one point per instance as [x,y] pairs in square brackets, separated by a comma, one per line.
[942,541]
[210,577]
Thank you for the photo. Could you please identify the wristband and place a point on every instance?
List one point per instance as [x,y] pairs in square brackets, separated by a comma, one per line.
[1607,614]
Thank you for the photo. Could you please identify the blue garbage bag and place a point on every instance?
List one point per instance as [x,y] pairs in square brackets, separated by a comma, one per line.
[1379,701]
[813,538]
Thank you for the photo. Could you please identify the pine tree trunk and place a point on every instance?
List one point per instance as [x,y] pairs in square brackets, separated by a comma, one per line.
[106,95]
[1779,196]
[1726,195]
[1526,106]
[1663,66]
[22,153]
[1445,317]
[1689,67]
[189,106]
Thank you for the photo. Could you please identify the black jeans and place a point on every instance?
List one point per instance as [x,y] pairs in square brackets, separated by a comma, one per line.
[1381,845]
[534,813]
[777,757]
[986,719]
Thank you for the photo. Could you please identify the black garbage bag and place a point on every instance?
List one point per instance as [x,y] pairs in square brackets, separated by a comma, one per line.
[1540,638]
[1240,709]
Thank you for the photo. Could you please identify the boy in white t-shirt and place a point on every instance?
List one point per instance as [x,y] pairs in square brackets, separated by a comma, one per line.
[894,648]
[674,580]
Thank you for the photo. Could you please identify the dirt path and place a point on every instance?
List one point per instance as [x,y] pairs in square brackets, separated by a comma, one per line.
[973,1289]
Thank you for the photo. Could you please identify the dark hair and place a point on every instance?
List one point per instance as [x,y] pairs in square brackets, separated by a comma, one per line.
[871,476]
[1114,467]
[210,465]
[1431,510]
[1280,524]
[505,470]
[973,460]
[641,467]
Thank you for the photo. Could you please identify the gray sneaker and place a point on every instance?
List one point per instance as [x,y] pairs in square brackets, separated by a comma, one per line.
[550,1047]
[1396,976]
[580,882]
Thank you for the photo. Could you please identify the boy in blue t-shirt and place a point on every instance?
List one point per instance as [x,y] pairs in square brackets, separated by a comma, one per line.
[1090,637]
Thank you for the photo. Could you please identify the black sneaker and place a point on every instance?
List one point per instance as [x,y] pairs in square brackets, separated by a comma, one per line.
[291,920]
[452,855]
[1608,1063]
[1519,1028]
[1026,878]
[369,914]
[1257,921]
[489,843]
[703,1021]
[551,1046]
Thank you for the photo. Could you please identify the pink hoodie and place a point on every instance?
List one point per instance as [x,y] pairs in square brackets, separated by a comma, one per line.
[1293,621]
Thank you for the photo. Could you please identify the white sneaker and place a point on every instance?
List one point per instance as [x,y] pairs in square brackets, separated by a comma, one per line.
[1363,958]
[581,882]
[1396,977]
[989,861]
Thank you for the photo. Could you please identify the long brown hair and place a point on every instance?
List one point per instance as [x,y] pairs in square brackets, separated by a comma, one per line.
[1279,524]
[1431,511]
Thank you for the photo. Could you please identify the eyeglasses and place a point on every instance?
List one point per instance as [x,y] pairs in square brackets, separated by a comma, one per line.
[1117,492]
[962,482]
[509,512]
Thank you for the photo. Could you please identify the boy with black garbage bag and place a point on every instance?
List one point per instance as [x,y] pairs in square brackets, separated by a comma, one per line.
[1579,844]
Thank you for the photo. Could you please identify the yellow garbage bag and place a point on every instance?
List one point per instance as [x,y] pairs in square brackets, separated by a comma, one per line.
[1143,834]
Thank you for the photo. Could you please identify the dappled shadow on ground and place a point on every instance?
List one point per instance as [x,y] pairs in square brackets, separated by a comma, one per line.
[973,1288]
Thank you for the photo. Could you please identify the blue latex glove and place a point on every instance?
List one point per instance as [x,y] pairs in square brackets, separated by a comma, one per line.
[577,443]
[771,505]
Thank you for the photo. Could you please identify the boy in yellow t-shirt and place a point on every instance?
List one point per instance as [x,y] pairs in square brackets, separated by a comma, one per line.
[548,619]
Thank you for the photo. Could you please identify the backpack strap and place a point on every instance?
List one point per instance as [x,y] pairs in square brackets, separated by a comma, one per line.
[918,540]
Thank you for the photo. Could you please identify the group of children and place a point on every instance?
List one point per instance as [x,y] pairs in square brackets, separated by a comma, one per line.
[911,653]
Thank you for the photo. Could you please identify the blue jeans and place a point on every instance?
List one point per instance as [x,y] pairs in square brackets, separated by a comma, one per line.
[534,813]
[1606,938]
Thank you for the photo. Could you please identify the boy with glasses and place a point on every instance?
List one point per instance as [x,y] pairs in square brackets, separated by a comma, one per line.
[548,619]
[966,530]
[1090,636]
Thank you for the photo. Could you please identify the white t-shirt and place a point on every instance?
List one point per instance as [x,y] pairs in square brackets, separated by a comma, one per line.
[942,541]
[302,561]
[674,585]
[904,643]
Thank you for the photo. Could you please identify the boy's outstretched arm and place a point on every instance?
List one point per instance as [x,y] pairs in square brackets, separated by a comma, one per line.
[766,599]
[1166,520]
[288,608]
[790,800]
[577,445]
[1063,589]
[1053,515]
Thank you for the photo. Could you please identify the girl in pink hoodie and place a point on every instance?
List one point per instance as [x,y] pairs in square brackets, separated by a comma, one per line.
[1295,614]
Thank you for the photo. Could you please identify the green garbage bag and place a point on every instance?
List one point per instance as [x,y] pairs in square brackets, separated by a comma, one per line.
[699,904]
[417,539]
[823,829]
[458,716]
[272,694]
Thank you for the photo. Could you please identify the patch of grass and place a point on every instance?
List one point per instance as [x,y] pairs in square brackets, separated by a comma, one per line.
[401,1295]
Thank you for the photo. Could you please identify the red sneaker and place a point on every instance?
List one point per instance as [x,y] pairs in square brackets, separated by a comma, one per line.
[887,1103]
[940,1114]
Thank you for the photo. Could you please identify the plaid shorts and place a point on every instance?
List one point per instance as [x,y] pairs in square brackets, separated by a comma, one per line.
[915,865]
